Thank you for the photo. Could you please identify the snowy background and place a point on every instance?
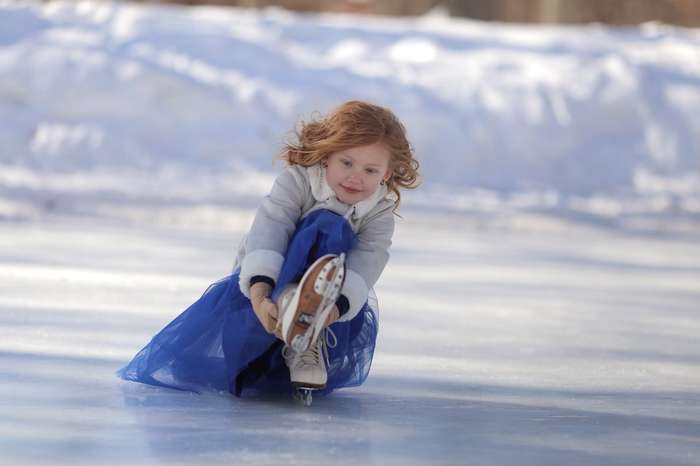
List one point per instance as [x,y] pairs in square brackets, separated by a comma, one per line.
[541,304]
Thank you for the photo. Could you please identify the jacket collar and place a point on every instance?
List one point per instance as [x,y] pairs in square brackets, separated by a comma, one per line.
[322,192]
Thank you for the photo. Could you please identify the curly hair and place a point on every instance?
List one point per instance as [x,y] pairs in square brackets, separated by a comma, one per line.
[354,124]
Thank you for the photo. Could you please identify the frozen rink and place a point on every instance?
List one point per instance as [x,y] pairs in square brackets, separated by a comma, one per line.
[546,312]
[515,341]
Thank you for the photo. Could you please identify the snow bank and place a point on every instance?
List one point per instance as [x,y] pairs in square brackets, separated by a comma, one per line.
[125,103]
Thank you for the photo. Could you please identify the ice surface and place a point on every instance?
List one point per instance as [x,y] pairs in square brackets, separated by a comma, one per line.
[543,344]
[541,304]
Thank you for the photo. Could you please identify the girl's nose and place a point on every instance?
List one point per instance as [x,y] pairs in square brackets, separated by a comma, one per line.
[355,182]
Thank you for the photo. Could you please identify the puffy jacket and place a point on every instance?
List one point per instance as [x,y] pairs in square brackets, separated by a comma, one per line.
[299,191]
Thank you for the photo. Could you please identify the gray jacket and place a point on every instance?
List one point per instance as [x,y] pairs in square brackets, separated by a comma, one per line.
[297,192]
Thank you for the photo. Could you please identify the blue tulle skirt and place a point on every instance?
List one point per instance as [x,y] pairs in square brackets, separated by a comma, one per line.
[219,344]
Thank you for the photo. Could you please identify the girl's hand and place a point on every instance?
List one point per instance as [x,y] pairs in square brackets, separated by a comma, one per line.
[267,313]
[265,310]
[333,316]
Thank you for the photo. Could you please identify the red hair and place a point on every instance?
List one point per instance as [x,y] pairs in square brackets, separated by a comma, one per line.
[353,124]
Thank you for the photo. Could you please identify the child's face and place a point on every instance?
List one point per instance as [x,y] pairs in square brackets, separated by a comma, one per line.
[354,174]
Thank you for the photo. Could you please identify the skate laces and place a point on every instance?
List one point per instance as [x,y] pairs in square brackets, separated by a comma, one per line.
[330,333]
[326,343]
[311,357]
[288,352]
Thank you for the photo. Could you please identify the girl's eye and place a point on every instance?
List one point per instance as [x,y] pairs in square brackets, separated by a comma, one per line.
[371,171]
[346,163]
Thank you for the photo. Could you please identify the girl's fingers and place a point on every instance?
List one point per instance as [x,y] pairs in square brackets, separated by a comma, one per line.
[269,310]
[272,315]
[332,317]
[272,309]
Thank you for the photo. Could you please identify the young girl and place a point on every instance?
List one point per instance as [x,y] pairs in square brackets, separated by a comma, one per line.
[337,198]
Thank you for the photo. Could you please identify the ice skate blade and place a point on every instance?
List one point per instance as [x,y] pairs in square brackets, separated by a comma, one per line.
[308,386]
[304,396]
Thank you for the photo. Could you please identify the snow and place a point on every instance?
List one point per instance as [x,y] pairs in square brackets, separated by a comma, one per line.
[540,306]
[582,119]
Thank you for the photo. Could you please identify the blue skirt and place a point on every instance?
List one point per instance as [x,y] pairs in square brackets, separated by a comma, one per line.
[219,344]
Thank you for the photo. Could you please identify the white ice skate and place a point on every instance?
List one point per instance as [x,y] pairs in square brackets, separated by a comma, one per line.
[308,369]
[304,307]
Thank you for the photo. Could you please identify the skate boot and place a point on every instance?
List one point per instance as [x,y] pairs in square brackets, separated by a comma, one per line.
[304,307]
[308,369]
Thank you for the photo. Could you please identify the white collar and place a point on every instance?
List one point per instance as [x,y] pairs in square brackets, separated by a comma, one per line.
[323,192]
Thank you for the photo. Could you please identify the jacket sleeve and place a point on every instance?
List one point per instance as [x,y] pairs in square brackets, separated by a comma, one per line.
[274,223]
[366,261]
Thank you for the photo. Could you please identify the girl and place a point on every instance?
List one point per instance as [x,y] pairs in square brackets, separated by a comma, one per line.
[336,198]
